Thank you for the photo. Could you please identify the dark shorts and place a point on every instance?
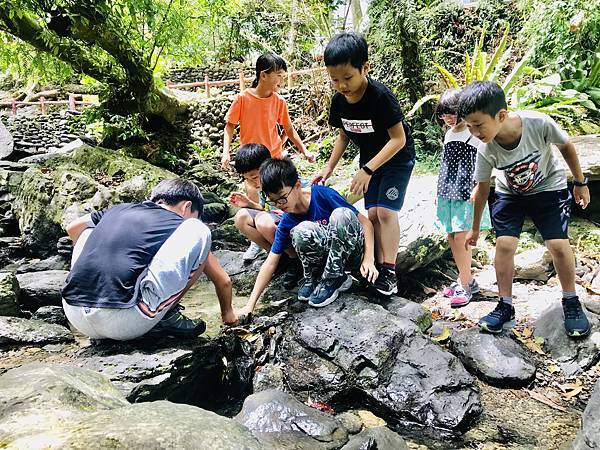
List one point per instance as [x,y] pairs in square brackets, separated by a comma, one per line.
[387,187]
[550,212]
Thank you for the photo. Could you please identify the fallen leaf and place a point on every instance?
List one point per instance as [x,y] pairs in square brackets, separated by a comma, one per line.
[572,393]
[553,368]
[429,291]
[249,337]
[545,400]
[436,314]
[370,420]
[444,335]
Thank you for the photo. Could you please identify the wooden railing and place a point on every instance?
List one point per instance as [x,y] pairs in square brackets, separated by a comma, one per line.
[43,103]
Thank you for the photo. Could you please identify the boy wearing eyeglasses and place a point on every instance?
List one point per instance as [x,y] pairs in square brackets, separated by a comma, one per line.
[329,235]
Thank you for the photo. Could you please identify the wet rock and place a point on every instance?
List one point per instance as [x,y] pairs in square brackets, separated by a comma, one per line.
[51,314]
[379,438]
[410,310]
[56,262]
[589,435]
[41,288]
[268,376]
[534,264]
[243,275]
[18,331]
[572,355]
[227,237]
[274,411]
[215,212]
[497,360]
[9,295]
[82,410]
[357,346]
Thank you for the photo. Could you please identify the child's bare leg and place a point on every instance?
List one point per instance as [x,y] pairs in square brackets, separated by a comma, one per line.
[462,257]
[372,213]
[564,262]
[245,223]
[266,226]
[504,263]
[389,234]
[251,191]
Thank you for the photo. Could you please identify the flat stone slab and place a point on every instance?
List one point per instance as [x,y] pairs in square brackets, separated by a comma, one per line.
[274,411]
[572,355]
[497,360]
[589,435]
[41,288]
[19,331]
[51,314]
[380,438]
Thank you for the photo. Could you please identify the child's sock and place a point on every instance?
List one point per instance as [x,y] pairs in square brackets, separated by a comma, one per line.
[389,265]
[567,295]
[506,299]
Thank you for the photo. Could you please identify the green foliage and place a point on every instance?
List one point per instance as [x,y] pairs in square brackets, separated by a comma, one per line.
[429,138]
[113,130]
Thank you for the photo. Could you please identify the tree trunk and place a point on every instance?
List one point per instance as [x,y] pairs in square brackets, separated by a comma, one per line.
[294,22]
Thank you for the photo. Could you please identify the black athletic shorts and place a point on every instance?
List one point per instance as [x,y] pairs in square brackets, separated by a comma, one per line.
[387,186]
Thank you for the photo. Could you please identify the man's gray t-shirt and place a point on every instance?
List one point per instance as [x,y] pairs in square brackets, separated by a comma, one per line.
[532,166]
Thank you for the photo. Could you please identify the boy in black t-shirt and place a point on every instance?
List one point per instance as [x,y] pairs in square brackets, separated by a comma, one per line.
[368,114]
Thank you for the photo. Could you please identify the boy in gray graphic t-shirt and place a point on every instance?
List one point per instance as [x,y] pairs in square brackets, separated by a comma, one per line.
[530,182]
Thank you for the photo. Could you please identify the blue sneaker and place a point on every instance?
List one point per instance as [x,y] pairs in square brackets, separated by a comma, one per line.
[329,289]
[307,287]
[500,317]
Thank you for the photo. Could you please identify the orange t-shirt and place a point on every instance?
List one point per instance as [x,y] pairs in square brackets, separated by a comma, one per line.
[258,118]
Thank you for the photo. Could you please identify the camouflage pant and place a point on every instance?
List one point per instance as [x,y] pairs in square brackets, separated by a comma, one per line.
[330,249]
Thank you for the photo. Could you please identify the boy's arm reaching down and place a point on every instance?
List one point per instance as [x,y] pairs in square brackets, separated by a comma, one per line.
[262,280]
[581,193]
[215,272]
[482,191]
[339,146]
[75,228]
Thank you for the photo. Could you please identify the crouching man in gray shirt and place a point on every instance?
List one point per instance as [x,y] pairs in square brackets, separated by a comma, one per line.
[133,263]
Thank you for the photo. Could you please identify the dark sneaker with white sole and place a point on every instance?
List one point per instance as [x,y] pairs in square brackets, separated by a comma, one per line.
[307,287]
[576,323]
[501,317]
[387,282]
[176,324]
[329,289]
[293,274]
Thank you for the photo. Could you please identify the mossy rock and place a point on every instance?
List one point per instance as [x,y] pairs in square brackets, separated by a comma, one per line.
[68,186]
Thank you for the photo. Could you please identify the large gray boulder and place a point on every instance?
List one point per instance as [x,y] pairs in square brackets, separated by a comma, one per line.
[572,355]
[19,331]
[81,409]
[589,435]
[272,411]
[497,360]
[354,345]
[41,288]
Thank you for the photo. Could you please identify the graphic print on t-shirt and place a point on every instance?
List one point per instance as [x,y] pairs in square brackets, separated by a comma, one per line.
[522,176]
[358,126]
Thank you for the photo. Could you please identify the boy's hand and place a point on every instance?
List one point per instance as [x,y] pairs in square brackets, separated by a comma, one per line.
[471,239]
[310,156]
[360,182]
[239,199]
[582,196]
[229,318]
[322,176]
[225,160]
[369,271]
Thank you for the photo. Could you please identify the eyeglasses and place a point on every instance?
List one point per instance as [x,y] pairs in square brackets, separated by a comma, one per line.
[280,201]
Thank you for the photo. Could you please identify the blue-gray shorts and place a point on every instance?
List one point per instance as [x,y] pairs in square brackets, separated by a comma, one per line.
[550,212]
[387,187]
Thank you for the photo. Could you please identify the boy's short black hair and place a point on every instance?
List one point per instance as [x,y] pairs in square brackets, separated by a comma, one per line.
[448,103]
[277,173]
[483,96]
[250,157]
[347,48]
[176,190]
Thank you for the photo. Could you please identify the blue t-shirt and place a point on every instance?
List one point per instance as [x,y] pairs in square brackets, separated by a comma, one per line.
[323,200]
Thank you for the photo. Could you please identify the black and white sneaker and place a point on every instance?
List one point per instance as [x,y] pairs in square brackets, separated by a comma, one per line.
[576,323]
[387,282]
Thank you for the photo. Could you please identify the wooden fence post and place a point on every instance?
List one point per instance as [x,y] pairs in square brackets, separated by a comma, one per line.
[72,106]
[206,86]
[43,105]
[14,107]
[242,81]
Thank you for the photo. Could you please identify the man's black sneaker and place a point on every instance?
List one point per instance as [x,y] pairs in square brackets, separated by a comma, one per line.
[176,324]
[329,289]
[576,322]
[500,317]
[387,282]
[293,274]
[307,287]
